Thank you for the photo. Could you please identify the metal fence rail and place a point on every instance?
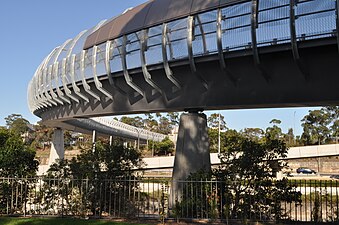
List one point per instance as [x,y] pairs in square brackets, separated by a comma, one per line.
[151,198]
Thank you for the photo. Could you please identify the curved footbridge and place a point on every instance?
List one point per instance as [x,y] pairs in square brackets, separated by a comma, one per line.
[193,55]
[98,126]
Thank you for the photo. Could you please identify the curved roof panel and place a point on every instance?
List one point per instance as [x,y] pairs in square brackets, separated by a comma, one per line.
[150,14]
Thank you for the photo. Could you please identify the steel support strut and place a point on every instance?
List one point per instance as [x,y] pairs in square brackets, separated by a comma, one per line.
[190,38]
[143,48]
[222,62]
[76,89]
[56,77]
[294,41]
[107,64]
[71,60]
[56,72]
[254,27]
[84,82]
[128,78]
[50,73]
[167,68]
[68,92]
[109,45]
[203,36]
[44,73]
[97,82]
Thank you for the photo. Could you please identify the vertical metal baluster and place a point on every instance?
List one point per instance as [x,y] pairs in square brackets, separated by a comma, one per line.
[115,198]
[331,208]
[311,198]
[337,200]
[12,195]
[153,195]
[305,204]
[321,199]
[326,198]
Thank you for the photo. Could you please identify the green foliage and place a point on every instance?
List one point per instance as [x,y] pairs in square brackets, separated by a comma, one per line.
[94,175]
[254,134]
[213,121]
[104,163]
[245,181]
[16,159]
[41,136]
[164,147]
[275,131]
[133,121]
[17,124]
[321,126]
[315,126]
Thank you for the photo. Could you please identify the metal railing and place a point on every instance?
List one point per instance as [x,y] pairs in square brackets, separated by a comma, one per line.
[151,198]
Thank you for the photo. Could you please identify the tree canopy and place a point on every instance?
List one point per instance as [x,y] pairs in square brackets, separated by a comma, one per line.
[16,159]
[320,126]
[105,162]
[16,123]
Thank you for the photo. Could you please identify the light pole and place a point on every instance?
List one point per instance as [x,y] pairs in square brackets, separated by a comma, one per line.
[295,141]
[219,135]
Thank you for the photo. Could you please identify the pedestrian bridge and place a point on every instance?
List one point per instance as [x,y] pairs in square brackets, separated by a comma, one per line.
[107,127]
[182,55]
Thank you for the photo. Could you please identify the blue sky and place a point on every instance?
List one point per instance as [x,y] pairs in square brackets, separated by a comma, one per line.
[31,29]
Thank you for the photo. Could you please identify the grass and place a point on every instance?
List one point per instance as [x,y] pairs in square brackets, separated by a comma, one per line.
[57,221]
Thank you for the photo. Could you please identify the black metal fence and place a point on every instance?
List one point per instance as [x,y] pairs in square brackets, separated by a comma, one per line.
[302,200]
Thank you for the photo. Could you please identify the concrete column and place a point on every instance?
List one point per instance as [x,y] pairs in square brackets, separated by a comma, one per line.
[192,151]
[58,148]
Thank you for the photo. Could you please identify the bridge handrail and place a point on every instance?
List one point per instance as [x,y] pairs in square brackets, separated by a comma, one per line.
[139,131]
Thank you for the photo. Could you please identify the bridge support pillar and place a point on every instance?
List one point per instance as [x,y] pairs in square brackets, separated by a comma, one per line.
[192,151]
[58,148]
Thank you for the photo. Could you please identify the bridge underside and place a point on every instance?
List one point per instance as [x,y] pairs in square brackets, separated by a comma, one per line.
[278,81]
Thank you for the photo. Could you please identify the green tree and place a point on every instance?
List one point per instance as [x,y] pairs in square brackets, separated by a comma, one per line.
[164,147]
[315,127]
[246,179]
[275,131]
[289,138]
[16,159]
[251,166]
[173,117]
[151,124]
[333,115]
[42,136]
[164,126]
[106,171]
[213,121]
[254,134]
[16,123]
[133,121]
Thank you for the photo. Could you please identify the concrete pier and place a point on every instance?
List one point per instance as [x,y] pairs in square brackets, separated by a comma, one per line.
[58,147]
[192,152]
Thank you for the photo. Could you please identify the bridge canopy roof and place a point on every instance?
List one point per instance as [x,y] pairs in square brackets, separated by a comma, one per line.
[149,14]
